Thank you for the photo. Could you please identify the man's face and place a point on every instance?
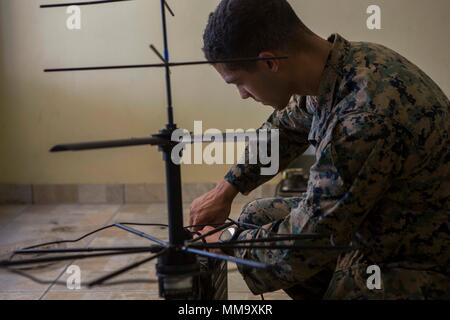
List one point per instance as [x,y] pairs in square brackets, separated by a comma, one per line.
[265,84]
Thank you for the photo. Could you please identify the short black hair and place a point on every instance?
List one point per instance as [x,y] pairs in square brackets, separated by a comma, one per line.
[244,28]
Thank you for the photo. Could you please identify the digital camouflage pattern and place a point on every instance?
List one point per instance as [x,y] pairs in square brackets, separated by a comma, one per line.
[381,182]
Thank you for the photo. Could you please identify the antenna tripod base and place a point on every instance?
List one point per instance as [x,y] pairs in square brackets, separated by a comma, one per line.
[204,279]
[186,276]
[176,271]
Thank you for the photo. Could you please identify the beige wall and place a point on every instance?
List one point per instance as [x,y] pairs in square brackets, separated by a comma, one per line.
[38,110]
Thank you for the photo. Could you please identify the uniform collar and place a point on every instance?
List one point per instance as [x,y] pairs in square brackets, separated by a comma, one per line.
[333,71]
[331,77]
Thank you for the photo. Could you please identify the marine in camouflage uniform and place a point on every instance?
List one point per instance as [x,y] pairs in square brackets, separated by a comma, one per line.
[381,183]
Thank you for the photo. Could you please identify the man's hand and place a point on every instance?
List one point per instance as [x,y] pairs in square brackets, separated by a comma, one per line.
[213,207]
[214,238]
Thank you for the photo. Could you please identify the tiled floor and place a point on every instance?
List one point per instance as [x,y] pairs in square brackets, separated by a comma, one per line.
[22,226]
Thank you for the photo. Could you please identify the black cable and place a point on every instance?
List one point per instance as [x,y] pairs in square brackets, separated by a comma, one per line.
[241,224]
[70,241]
[212,232]
[94,232]
[205,225]
[199,234]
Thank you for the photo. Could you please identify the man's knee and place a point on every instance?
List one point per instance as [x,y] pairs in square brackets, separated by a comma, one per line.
[264,211]
[247,213]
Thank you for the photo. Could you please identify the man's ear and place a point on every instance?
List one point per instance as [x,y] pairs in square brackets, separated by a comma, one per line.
[272,65]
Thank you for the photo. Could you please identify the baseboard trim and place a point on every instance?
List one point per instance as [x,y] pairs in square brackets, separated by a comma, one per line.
[43,194]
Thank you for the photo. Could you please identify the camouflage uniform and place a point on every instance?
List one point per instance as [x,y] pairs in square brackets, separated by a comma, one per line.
[381,182]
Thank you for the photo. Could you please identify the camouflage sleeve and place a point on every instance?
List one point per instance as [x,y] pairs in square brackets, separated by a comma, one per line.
[293,124]
[357,165]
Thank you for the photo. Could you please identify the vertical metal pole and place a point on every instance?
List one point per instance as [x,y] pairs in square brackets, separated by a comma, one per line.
[173,171]
[175,269]
[167,58]
[174,200]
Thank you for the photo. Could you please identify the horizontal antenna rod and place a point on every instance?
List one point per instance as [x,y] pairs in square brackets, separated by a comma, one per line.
[156,141]
[270,247]
[7,263]
[85,3]
[133,142]
[121,271]
[163,65]
[79,250]
[248,263]
[90,3]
